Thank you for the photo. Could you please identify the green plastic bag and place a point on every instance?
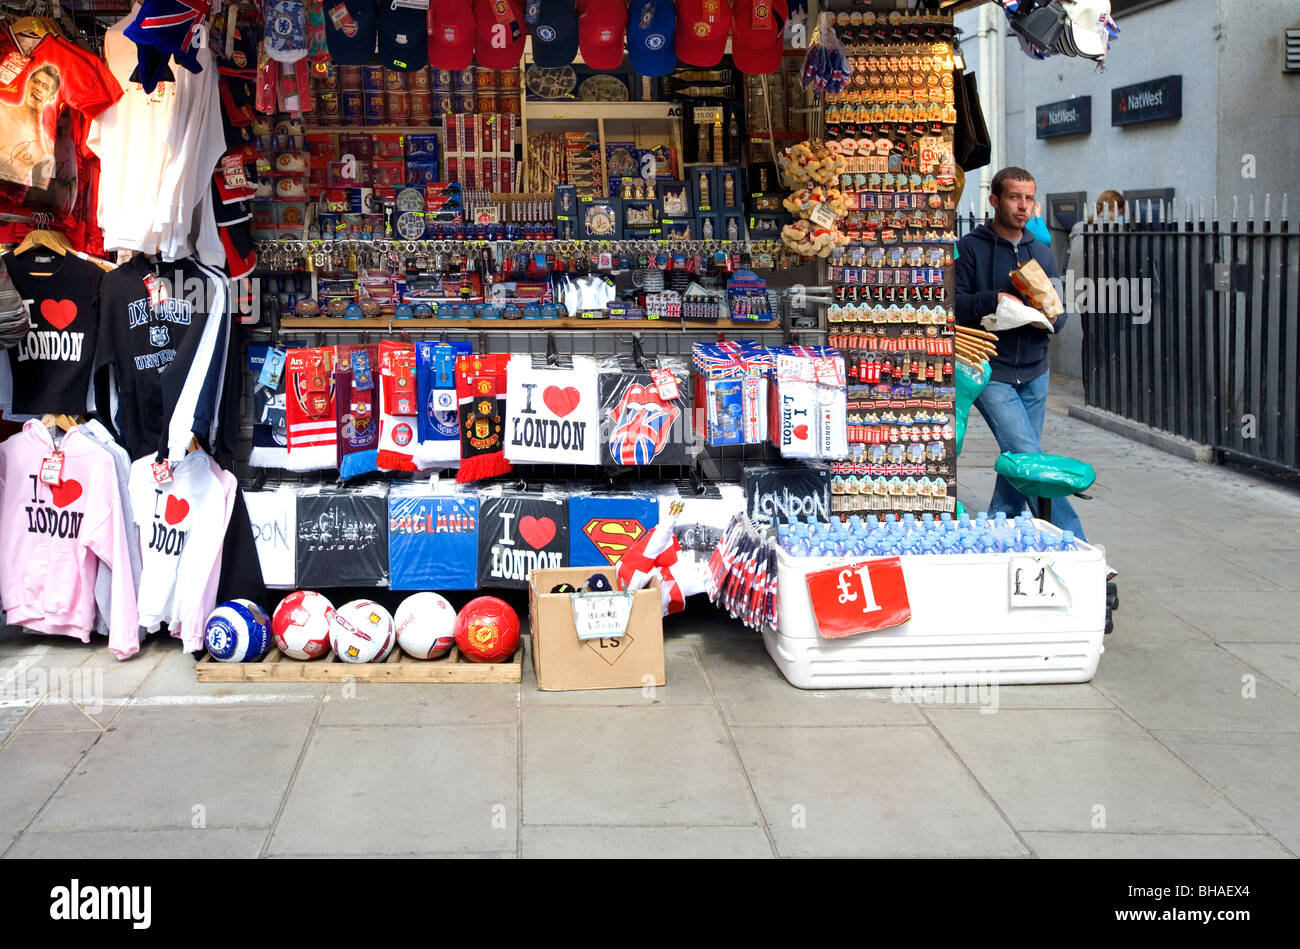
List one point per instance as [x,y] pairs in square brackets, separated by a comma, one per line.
[1045,476]
[969,386]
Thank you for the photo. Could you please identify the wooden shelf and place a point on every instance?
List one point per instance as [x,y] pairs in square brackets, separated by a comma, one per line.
[363,129]
[391,324]
[570,110]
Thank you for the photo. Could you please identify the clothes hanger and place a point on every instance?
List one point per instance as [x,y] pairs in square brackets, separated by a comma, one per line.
[52,240]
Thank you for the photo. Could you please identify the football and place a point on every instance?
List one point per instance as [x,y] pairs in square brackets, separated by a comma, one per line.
[361,631]
[487,630]
[426,626]
[237,631]
[301,625]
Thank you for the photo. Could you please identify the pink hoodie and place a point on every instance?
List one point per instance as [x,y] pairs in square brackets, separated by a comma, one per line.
[50,537]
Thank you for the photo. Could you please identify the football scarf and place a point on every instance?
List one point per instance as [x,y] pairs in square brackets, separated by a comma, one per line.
[354,392]
[270,439]
[309,409]
[552,415]
[439,420]
[397,406]
[645,415]
[481,384]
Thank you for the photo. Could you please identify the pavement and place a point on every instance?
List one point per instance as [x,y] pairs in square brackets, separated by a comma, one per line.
[1185,744]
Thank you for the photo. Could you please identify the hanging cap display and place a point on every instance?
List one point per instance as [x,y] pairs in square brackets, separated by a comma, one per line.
[499,33]
[758,28]
[350,31]
[650,28]
[403,35]
[555,37]
[602,25]
[451,35]
[702,28]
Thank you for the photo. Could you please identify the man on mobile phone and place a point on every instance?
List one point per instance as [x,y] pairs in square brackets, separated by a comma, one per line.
[1015,401]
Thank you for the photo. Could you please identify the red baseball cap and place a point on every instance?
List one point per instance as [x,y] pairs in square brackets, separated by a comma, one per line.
[702,27]
[757,35]
[601,26]
[451,35]
[500,32]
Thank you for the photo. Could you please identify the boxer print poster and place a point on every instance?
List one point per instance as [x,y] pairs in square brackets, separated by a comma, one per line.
[552,415]
[520,533]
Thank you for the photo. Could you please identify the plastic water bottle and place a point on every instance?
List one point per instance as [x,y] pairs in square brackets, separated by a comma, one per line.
[1067,541]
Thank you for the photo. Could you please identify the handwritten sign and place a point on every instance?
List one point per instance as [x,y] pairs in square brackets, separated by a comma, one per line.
[601,615]
[1031,581]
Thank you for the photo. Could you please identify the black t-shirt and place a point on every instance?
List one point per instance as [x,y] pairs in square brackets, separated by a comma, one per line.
[52,365]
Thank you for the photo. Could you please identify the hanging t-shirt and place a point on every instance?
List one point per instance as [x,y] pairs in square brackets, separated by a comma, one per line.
[52,366]
[164,338]
[33,88]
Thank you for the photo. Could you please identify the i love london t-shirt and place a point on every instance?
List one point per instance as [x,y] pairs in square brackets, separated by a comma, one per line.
[52,365]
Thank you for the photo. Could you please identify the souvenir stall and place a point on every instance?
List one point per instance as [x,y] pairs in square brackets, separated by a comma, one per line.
[349,318]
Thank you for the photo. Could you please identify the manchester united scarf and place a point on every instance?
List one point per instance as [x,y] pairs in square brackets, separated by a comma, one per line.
[481,398]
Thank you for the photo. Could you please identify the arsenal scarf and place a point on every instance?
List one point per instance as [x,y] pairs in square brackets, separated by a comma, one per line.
[309,410]
[481,397]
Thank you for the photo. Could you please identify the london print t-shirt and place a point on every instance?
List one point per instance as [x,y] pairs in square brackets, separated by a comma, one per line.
[52,364]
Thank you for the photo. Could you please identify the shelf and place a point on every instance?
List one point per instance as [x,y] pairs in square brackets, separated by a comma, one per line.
[339,324]
[363,129]
[566,110]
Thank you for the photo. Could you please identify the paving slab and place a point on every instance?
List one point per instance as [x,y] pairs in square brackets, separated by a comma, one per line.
[10,719]
[752,691]
[1104,845]
[1068,770]
[646,843]
[1257,772]
[205,844]
[416,703]
[1142,619]
[870,792]
[1263,616]
[174,677]
[1279,661]
[159,769]
[1274,533]
[1197,686]
[1171,566]
[66,715]
[684,684]
[610,765]
[34,765]
[403,789]
[1280,567]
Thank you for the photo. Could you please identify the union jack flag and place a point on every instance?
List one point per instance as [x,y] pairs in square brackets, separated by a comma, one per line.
[165,16]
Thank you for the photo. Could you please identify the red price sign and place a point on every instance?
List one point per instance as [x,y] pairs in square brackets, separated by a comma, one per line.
[859,598]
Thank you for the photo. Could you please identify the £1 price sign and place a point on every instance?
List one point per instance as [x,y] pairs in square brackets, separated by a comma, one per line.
[859,598]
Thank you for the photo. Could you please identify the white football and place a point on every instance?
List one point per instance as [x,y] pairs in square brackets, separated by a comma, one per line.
[301,625]
[361,631]
[426,626]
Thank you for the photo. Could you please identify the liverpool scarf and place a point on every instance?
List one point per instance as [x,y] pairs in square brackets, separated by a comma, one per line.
[397,406]
[481,396]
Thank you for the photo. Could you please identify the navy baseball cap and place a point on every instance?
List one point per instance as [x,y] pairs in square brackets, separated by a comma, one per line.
[650,28]
[350,31]
[403,37]
[555,37]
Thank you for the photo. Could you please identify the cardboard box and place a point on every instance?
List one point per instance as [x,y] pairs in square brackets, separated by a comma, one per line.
[563,662]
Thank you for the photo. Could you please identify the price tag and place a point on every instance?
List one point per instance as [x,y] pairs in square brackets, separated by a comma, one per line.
[52,469]
[162,471]
[272,367]
[601,615]
[665,381]
[823,216]
[1031,582]
[707,114]
[859,598]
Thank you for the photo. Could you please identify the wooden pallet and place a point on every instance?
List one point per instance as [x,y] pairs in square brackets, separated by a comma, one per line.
[399,667]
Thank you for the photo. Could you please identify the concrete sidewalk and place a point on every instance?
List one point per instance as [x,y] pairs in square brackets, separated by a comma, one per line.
[1187,743]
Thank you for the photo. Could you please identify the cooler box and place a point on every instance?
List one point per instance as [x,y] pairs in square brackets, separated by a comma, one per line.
[963,630]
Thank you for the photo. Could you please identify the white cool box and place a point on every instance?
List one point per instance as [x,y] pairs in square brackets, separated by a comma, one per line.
[968,627]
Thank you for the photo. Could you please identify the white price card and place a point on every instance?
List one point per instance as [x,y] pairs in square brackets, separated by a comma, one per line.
[823,216]
[601,615]
[1031,581]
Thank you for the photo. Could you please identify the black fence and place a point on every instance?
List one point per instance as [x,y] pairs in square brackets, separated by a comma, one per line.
[1191,324]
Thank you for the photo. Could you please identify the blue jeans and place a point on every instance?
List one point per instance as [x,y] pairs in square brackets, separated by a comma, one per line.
[1015,413]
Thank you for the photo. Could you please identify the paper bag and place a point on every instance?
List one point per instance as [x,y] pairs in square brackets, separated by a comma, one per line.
[1032,283]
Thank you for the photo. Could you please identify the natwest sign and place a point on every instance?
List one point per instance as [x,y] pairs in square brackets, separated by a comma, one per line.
[1147,101]
[1071,117]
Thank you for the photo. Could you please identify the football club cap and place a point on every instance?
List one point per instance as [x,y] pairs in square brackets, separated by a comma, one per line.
[602,26]
[403,39]
[702,28]
[758,28]
[555,37]
[350,31]
[650,28]
[499,33]
[451,35]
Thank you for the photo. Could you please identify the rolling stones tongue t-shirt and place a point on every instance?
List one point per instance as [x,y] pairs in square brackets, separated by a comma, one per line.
[52,365]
